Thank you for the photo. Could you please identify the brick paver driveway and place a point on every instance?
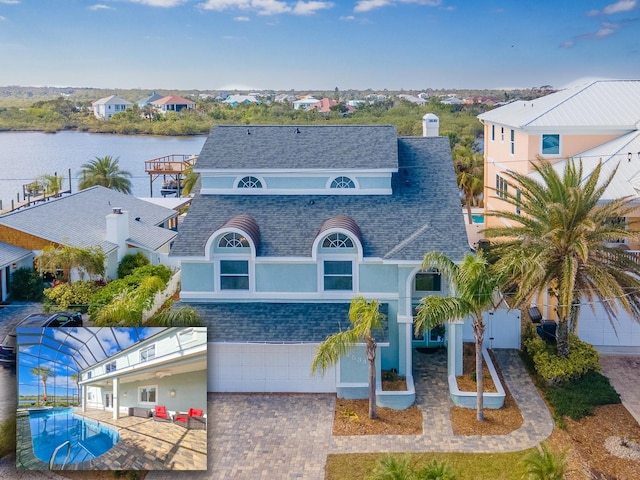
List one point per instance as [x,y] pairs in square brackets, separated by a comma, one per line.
[624,373]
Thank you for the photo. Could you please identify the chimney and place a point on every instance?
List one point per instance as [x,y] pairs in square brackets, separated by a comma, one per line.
[118,230]
[430,125]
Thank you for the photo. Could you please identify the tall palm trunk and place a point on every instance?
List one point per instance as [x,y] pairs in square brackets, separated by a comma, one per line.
[478,333]
[371,357]
[468,200]
[562,338]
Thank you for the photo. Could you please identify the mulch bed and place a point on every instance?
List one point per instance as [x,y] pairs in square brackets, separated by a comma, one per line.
[466,381]
[352,418]
[497,422]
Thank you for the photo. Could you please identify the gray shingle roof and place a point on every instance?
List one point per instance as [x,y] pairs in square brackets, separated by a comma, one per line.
[290,146]
[79,219]
[277,322]
[422,214]
[10,253]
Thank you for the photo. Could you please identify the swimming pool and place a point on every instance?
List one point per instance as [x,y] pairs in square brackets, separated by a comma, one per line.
[479,218]
[51,428]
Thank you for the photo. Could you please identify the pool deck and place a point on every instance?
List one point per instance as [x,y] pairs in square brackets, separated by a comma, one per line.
[144,445]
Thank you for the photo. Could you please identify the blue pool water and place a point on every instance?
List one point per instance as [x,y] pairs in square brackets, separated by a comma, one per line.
[477,218]
[50,428]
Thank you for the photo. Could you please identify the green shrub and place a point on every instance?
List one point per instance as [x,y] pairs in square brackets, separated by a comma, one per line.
[392,467]
[583,358]
[70,296]
[130,262]
[576,399]
[544,464]
[26,285]
[105,295]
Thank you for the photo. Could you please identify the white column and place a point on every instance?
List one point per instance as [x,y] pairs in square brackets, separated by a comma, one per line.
[116,402]
[454,348]
[83,402]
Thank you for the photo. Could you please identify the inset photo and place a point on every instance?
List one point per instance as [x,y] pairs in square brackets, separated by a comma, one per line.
[111,398]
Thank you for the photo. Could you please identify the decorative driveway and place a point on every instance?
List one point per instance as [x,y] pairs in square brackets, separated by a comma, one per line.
[624,373]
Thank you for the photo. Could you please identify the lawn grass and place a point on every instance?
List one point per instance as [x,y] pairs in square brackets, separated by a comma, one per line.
[466,466]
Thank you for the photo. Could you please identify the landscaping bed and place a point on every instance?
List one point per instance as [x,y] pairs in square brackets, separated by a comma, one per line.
[467,381]
[352,418]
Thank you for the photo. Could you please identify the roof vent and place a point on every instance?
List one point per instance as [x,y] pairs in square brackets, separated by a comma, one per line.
[297,130]
[248,132]
[117,210]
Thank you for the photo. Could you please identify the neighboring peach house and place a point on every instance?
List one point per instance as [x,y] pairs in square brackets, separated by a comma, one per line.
[173,103]
[596,121]
[107,107]
[324,106]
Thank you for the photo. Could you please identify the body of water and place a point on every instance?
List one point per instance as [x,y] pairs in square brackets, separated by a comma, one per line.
[26,155]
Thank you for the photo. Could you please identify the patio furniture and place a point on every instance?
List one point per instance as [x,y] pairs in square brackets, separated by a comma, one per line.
[194,419]
[139,412]
[161,415]
[546,328]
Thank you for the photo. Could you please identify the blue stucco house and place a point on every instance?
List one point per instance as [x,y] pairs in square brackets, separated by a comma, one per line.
[290,223]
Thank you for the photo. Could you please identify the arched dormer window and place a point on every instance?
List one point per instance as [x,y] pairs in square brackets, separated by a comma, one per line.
[337,240]
[233,240]
[249,182]
[342,182]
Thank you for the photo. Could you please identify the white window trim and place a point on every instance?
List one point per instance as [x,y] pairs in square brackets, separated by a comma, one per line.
[146,348]
[512,142]
[355,285]
[549,155]
[331,179]
[317,243]
[237,181]
[214,239]
[141,387]
[501,134]
[252,273]
[493,133]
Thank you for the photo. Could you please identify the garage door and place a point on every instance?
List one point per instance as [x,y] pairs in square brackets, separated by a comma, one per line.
[264,367]
[595,328]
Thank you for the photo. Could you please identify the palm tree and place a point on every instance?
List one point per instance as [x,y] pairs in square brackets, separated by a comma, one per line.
[87,261]
[44,373]
[469,175]
[189,181]
[473,285]
[76,378]
[558,244]
[52,184]
[365,317]
[105,171]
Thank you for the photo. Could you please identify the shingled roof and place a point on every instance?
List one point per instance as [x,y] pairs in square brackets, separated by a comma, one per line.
[253,147]
[422,214]
[79,219]
[278,322]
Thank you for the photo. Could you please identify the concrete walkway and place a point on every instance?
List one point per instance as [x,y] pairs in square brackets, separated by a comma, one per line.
[624,373]
[289,436]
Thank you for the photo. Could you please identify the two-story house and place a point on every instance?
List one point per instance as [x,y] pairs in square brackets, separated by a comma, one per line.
[292,222]
[167,368]
[107,107]
[596,121]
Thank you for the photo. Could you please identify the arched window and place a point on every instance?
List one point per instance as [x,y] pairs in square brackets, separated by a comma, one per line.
[249,182]
[337,240]
[233,240]
[342,182]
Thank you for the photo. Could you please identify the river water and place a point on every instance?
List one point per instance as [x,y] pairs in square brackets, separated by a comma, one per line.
[26,155]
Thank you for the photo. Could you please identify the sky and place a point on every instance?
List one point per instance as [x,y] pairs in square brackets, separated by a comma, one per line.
[316,45]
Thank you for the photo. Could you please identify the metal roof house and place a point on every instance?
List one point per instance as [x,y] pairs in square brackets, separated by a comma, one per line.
[290,223]
[97,216]
[592,122]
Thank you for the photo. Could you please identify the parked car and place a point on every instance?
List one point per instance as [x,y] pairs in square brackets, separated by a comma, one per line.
[37,320]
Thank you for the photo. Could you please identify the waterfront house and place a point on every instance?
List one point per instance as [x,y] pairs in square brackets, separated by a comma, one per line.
[148,99]
[304,102]
[290,223]
[599,120]
[97,216]
[235,100]
[107,107]
[173,103]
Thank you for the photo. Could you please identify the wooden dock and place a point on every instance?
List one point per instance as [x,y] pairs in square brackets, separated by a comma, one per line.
[171,169]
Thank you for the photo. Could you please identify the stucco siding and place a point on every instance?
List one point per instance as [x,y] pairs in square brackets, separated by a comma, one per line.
[378,278]
[197,277]
[286,278]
